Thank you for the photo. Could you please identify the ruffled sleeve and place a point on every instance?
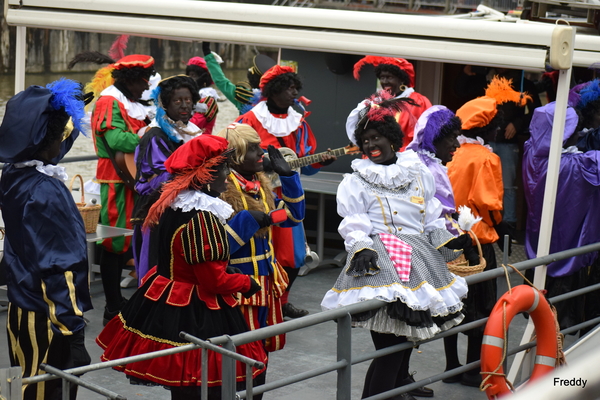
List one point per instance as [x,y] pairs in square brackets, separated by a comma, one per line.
[352,206]
[433,207]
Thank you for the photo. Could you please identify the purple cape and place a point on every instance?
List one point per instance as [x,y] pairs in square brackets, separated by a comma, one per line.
[576,216]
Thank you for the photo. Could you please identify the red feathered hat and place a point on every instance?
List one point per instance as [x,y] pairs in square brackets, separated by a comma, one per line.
[273,73]
[376,60]
[196,153]
[197,61]
[134,60]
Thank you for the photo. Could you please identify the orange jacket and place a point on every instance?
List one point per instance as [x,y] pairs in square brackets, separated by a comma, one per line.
[476,177]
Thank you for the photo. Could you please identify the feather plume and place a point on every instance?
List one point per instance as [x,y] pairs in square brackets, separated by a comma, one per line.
[90,56]
[589,94]
[383,104]
[66,94]
[102,79]
[433,128]
[117,49]
[193,178]
[501,90]
[466,219]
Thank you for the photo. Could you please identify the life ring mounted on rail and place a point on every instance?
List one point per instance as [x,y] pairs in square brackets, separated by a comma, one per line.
[522,298]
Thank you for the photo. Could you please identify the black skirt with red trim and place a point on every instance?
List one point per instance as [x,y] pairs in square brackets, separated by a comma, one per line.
[145,325]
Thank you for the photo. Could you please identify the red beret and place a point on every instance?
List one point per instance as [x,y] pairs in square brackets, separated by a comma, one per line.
[376,60]
[197,61]
[196,153]
[134,60]
[273,73]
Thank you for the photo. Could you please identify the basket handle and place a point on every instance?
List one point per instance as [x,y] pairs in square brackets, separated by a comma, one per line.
[81,186]
[477,242]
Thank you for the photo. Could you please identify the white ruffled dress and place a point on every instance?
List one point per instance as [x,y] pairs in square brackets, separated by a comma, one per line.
[397,199]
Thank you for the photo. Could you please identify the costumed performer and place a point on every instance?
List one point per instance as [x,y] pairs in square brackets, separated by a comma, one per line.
[190,289]
[397,245]
[476,176]
[243,95]
[116,119]
[435,142]
[45,252]
[586,100]
[278,124]
[175,98]
[250,189]
[397,77]
[576,216]
[207,109]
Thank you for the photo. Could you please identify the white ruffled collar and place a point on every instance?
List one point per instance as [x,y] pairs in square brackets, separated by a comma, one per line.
[53,171]
[462,139]
[181,132]
[189,200]
[278,127]
[432,156]
[571,150]
[403,172]
[208,92]
[134,109]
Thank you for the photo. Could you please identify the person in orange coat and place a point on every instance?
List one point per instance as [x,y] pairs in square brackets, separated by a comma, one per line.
[397,77]
[475,173]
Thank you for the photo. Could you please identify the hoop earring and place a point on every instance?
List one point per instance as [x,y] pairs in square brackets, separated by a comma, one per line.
[208,187]
[392,146]
[403,88]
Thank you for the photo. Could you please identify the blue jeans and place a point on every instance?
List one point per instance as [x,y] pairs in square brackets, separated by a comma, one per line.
[509,156]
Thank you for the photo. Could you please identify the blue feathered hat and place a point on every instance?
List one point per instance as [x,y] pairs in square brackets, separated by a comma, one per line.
[27,113]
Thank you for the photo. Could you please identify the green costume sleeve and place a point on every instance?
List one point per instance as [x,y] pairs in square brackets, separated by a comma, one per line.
[120,138]
[221,80]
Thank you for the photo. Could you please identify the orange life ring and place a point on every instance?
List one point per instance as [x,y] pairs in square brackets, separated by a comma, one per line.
[523,298]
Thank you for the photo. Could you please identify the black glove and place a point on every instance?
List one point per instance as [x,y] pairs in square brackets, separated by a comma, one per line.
[206,48]
[233,270]
[460,242]
[267,167]
[278,163]
[261,218]
[78,354]
[472,255]
[503,229]
[363,261]
[254,287]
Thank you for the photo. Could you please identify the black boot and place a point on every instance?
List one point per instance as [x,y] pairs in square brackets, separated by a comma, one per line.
[290,311]
[418,392]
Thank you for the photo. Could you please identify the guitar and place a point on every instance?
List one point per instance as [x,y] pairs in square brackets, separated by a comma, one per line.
[296,163]
[126,162]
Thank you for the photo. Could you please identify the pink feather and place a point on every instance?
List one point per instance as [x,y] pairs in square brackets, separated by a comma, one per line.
[117,50]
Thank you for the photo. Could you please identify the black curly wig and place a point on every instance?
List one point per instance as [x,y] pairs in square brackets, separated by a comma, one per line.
[394,70]
[57,120]
[487,133]
[280,83]
[387,128]
[588,112]
[168,86]
[132,74]
[253,79]
[203,76]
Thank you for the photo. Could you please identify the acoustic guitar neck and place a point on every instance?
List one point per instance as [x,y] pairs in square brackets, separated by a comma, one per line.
[315,158]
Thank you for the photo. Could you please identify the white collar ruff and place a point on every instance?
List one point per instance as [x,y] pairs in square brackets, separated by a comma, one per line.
[402,172]
[188,200]
[278,127]
[133,108]
[53,171]
[462,139]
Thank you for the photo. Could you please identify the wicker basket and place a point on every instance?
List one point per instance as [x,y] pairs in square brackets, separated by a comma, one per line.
[461,266]
[89,214]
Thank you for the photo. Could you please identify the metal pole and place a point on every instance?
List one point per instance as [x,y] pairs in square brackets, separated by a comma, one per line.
[321,226]
[204,374]
[344,353]
[88,385]
[249,383]
[20,54]
[228,372]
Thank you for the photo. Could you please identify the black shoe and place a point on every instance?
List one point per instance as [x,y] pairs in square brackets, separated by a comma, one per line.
[473,380]
[418,392]
[455,378]
[403,396]
[108,315]
[290,311]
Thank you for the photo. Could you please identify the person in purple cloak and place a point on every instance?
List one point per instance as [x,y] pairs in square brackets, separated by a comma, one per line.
[435,141]
[175,98]
[576,218]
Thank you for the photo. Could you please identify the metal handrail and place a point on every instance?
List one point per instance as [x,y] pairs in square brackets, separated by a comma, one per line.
[343,313]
